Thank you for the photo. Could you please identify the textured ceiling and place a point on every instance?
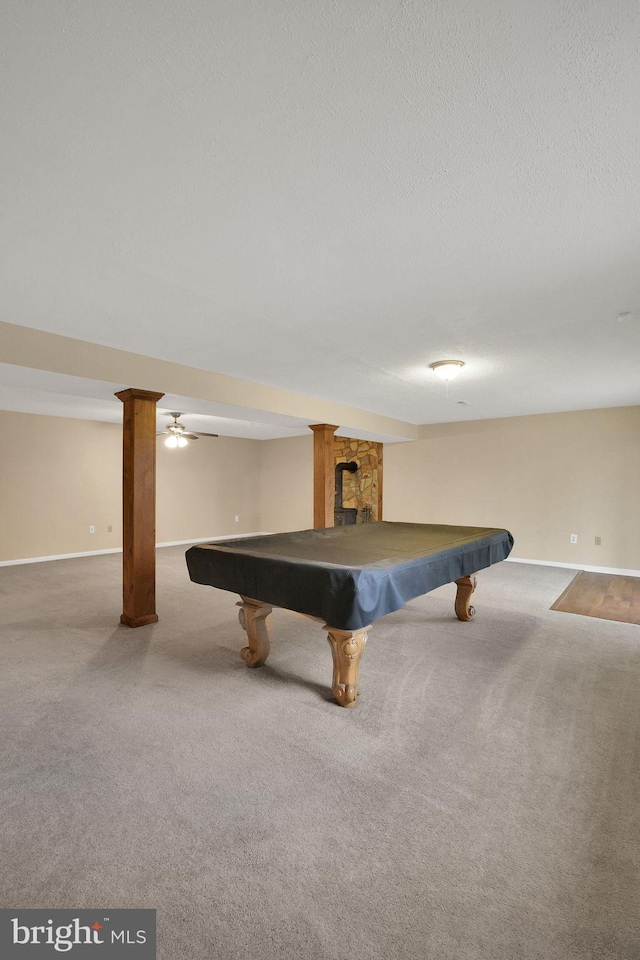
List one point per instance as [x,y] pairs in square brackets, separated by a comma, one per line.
[328,196]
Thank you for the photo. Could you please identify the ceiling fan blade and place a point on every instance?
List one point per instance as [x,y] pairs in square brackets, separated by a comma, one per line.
[189,436]
[198,434]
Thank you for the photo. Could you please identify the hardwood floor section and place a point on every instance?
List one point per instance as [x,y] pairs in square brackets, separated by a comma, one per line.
[602,595]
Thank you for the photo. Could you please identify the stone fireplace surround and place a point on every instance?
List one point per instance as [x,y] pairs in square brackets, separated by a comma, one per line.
[362,489]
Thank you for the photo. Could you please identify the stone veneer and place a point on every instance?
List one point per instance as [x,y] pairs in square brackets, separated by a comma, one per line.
[360,489]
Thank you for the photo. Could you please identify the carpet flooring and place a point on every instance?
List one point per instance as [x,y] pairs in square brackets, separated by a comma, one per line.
[480,802]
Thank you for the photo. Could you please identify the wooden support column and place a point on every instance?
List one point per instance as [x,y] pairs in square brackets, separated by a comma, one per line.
[379,455]
[323,475]
[139,506]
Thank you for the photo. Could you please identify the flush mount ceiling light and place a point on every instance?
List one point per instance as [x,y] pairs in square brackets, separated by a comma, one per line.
[447,369]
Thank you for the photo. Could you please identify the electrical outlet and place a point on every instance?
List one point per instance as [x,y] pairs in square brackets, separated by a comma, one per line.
[237,519]
[598,541]
[574,538]
[110,529]
[92,529]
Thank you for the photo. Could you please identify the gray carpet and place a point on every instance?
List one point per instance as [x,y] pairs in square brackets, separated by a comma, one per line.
[480,803]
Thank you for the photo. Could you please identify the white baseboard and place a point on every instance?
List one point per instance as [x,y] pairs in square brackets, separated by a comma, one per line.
[61,556]
[239,536]
[228,536]
[97,553]
[617,571]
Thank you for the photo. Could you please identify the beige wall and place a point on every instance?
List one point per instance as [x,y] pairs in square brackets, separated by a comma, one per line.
[202,487]
[58,476]
[286,468]
[543,477]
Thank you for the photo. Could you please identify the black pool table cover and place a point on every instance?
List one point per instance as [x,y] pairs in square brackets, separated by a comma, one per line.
[348,576]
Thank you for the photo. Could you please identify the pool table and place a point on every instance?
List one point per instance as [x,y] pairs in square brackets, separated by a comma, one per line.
[346,577]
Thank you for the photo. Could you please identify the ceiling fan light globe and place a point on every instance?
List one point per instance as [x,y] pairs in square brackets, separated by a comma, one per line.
[181,442]
[447,369]
[171,442]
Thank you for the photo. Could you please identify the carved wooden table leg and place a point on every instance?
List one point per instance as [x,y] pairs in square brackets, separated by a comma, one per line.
[466,586]
[252,615]
[347,647]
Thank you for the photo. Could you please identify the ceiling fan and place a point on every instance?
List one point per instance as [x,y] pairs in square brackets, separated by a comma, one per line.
[177,434]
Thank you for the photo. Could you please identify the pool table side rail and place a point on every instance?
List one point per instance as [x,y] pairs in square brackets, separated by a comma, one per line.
[344,597]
